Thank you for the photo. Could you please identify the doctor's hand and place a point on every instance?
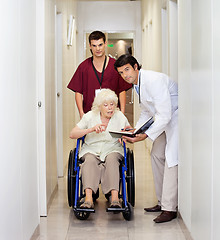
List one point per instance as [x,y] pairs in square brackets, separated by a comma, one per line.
[137,138]
[126,129]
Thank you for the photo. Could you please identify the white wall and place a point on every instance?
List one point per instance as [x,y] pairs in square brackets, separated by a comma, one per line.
[18,122]
[159,36]
[113,16]
[185,111]
[151,35]
[67,8]
[216,119]
[50,99]
[199,117]
[47,94]
[27,73]
[116,16]
[199,114]
[41,126]
[172,40]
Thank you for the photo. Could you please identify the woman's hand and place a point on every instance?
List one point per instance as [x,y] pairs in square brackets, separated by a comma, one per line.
[76,132]
[99,128]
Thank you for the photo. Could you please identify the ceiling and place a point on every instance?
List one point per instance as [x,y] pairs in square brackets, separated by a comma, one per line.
[106,0]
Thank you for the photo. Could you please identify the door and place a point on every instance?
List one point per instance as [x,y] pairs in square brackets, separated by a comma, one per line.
[59,115]
[118,44]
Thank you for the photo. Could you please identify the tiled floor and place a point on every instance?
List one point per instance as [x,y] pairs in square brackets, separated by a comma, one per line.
[61,223]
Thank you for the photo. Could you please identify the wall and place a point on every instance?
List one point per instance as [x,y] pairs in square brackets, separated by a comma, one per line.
[114,16]
[198,75]
[18,122]
[27,73]
[198,71]
[151,42]
[120,16]
[215,6]
[199,121]
[185,111]
[151,35]
[67,8]
[48,162]
[159,36]
[50,99]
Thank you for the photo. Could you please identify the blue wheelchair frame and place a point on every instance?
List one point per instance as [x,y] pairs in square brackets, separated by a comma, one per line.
[82,214]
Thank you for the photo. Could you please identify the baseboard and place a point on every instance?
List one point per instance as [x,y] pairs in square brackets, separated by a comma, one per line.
[184,228]
[36,233]
[52,197]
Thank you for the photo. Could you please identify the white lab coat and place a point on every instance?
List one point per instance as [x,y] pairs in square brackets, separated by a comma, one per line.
[159,98]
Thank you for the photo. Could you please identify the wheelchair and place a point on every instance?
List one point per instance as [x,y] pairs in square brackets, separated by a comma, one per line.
[126,185]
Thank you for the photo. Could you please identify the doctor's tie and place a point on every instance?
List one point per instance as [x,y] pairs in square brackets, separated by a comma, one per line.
[137,88]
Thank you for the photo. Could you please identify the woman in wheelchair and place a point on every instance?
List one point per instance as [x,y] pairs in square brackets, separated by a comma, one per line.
[101,153]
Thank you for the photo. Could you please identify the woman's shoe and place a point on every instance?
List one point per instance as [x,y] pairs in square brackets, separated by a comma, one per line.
[115,204]
[87,204]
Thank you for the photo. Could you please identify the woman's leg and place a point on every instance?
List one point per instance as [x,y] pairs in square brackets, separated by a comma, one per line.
[114,194]
[110,175]
[91,175]
[88,192]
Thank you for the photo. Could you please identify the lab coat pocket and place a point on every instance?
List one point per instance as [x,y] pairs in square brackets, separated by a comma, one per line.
[148,105]
[149,99]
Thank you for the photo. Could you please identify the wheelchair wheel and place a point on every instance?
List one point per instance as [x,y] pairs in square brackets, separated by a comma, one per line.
[71,182]
[128,213]
[130,177]
[81,215]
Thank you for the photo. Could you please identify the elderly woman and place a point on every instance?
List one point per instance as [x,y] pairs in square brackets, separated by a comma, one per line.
[101,153]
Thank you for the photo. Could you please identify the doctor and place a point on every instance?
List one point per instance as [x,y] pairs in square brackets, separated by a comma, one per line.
[158,97]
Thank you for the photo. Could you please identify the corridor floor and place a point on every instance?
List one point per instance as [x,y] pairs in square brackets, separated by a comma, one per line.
[61,223]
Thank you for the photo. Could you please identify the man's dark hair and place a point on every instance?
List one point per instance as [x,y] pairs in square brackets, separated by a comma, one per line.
[96,35]
[126,59]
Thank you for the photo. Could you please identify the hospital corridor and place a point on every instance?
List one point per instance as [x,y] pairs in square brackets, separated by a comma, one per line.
[42,45]
[61,222]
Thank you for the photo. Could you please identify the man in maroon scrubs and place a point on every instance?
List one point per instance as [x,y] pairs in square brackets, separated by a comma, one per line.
[95,73]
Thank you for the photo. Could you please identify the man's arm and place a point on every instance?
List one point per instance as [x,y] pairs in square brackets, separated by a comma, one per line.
[122,100]
[79,103]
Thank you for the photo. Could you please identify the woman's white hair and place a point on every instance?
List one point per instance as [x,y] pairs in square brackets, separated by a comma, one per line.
[105,95]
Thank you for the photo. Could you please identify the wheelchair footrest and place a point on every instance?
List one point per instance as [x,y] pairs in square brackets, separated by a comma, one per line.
[90,210]
[115,209]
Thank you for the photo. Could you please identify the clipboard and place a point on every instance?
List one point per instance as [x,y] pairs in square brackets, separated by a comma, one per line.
[141,129]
